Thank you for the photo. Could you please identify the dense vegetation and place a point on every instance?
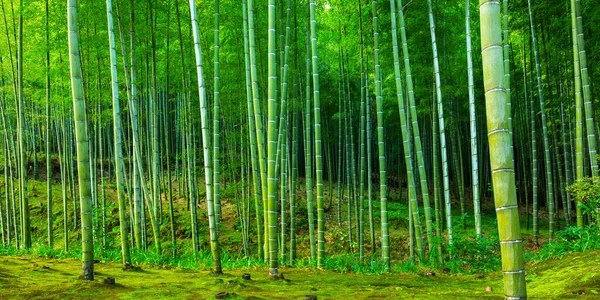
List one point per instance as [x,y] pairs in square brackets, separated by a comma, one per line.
[335,135]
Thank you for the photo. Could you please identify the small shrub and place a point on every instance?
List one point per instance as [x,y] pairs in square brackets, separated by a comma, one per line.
[586,191]
[571,239]
[472,255]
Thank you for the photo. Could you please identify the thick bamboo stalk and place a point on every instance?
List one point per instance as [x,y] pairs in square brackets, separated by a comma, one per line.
[501,156]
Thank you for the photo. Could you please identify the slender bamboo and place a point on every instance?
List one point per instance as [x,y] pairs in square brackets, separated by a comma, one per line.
[318,139]
[118,139]
[48,136]
[442,125]
[308,153]
[473,122]
[587,94]
[415,130]
[412,195]
[216,123]
[385,237]
[25,221]
[272,145]
[252,136]
[547,158]
[81,130]
[208,172]
[258,120]
[578,110]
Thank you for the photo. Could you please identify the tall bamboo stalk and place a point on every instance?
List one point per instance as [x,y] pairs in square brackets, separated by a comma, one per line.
[501,156]
[318,139]
[47,136]
[436,70]
[118,148]
[412,195]
[252,136]
[81,131]
[272,144]
[208,172]
[547,158]
[473,123]
[385,236]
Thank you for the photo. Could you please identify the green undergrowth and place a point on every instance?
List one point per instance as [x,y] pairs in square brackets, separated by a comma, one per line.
[570,240]
[467,255]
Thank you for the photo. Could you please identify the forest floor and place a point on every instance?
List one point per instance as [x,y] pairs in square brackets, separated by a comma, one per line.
[31,276]
[28,277]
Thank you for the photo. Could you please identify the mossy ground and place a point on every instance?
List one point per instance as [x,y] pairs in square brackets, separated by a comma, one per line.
[574,275]
[25,277]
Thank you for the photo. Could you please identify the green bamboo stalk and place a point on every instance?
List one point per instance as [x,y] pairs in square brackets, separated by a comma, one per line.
[252,136]
[7,170]
[547,159]
[369,162]
[167,133]
[208,172]
[83,162]
[415,129]
[578,110]
[473,121]
[436,182]
[501,156]
[137,228]
[283,179]
[407,146]
[534,162]
[385,237]
[363,96]
[63,180]
[47,136]
[293,186]
[318,139]
[506,54]
[117,139]
[587,94]
[272,145]
[442,125]
[566,160]
[216,110]
[308,153]
[258,119]
[153,128]
[25,221]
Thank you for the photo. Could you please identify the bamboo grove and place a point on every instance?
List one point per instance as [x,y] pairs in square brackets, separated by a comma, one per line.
[299,121]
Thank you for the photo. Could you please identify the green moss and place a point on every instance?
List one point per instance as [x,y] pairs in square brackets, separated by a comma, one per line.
[26,277]
[569,275]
